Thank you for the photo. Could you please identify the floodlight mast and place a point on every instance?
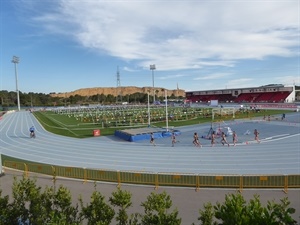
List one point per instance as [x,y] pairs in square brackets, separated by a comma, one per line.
[148,92]
[152,67]
[166,106]
[16,60]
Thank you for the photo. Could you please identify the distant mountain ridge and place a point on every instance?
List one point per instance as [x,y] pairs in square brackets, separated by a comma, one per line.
[119,91]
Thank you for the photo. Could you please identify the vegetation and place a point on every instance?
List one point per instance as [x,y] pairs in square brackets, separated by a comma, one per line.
[8,99]
[32,205]
[235,210]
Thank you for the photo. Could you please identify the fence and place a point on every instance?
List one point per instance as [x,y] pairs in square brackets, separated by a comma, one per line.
[196,181]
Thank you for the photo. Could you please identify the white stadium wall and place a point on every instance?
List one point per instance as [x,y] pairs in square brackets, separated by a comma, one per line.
[292,97]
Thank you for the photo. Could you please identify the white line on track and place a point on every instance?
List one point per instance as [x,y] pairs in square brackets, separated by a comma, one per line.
[277,153]
[280,137]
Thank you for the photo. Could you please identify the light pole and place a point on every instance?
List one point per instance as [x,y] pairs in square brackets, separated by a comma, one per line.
[148,92]
[152,67]
[16,60]
[167,121]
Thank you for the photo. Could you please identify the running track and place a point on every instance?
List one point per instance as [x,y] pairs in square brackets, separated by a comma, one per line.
[278,152]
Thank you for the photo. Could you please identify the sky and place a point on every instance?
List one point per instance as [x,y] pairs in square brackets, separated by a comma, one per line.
[66,45]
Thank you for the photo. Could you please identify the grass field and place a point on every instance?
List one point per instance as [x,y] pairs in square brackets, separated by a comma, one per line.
[80,124]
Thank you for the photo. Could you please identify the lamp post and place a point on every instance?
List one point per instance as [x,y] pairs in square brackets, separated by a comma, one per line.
[166,101]
[152,67]
[148,92]
[16,60]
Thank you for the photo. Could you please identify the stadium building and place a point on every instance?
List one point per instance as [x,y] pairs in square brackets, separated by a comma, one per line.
[272,93]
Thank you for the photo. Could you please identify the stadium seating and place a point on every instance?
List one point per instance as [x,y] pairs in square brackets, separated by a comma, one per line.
[264,97]
[246,97]
[280,96]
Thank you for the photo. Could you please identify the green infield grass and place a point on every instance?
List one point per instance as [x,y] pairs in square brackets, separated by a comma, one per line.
[82,123]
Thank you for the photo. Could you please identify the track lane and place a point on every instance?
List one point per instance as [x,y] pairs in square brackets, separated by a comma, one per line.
[278,153]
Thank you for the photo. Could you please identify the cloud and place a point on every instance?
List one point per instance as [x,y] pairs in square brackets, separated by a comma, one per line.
[179,34]
[288,80]
[125,68]
[173,76]
[242,82]
[213,76]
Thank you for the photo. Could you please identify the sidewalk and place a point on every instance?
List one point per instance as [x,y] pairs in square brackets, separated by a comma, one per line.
[187,200]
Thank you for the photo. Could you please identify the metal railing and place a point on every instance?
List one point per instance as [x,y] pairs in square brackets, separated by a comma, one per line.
[196,181]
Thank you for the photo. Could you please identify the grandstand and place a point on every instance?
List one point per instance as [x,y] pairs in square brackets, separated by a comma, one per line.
[272,93]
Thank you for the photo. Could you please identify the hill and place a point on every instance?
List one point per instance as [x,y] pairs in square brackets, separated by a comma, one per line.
[119,91]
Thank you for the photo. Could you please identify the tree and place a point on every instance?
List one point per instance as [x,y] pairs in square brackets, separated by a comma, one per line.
[32,206]
[26,201]
[233,211]
[62,210]
[97,212]
[156,209]
[236,211]
[207,215]
[121,199]
[276,213]
[5,209]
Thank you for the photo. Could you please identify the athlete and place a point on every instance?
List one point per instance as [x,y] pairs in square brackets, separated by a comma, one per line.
[32,132]
[256,135]
[234,138]
[196,140]
[213,139]
[152,139]
[224,141]
[173,137]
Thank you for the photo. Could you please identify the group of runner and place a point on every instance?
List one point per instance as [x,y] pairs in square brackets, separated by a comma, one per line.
[223,139]
[173,138]
[197,143]
[234,138]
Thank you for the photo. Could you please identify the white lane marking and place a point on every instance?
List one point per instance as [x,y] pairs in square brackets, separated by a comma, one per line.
[281,138]
[280,135]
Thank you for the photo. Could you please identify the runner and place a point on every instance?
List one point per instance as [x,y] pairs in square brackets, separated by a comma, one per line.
[152,139]
[256,135]
[234,138]
[196,140]
[173,137]
[213,139]
[224,141]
